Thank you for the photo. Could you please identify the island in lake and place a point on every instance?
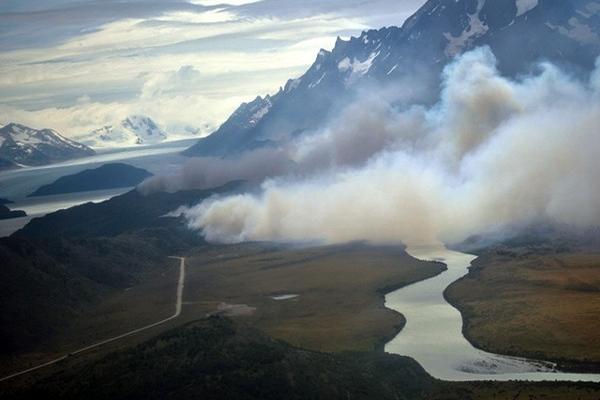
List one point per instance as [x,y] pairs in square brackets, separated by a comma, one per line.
[108,176]
[7,213]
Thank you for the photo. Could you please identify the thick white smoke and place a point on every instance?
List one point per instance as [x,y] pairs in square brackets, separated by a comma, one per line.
[493,152]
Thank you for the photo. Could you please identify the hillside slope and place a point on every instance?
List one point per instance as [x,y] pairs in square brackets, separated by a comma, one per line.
[21,145]
[218,359]
[61,264]
[410,58]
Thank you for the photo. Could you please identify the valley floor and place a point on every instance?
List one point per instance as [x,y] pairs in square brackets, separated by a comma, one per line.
[332,297]
[259,320]
[536,303]
[337,302]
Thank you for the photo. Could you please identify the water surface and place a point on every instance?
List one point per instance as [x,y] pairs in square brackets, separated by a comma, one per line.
[42,205]
[164,158]
[433,332]
[16,184]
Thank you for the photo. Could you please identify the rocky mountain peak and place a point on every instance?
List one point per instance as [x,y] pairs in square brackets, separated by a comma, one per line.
[22,145]
[521,33]
[131,131]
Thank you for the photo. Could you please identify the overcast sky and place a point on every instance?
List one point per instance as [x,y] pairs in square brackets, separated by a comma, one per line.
[76,65]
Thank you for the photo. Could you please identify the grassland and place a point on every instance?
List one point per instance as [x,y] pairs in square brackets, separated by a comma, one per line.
[121,310]
[340,303]
[539,304]
[64,275]
[150,300]
[334,325]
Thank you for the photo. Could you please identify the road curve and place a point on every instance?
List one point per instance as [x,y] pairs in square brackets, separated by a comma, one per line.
[178,306]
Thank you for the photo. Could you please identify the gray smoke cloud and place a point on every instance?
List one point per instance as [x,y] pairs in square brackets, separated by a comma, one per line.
[363,128]
[210,172]
[491,153]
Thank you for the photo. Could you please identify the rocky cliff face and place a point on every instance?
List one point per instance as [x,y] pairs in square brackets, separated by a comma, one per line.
[521,33]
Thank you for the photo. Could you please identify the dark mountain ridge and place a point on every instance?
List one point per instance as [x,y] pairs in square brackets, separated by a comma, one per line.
[521,34]
[217,358]
[61,264]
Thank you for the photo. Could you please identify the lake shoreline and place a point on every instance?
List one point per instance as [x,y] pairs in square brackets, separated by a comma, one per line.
[565,365]
[434,337]
[384,291]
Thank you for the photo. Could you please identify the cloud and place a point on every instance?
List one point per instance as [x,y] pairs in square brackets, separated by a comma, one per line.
[118,53]
[375,12]
[492,153]
[172,82]
[62,20]
[362,129]
[178,114]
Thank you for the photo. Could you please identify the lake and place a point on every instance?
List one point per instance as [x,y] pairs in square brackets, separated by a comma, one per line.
[16,184]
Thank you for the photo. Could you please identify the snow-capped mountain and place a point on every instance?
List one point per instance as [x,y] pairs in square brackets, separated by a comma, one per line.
[521,33]
[132,131]
[21,145]
[232,133]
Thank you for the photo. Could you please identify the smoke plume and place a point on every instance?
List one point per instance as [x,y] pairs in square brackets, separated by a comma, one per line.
[491,153]
[210,172]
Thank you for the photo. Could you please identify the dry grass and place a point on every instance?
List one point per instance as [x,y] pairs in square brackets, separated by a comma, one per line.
[539,305]
[338,308]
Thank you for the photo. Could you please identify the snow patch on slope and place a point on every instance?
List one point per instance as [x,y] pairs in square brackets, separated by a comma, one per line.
[475,29]
[318,82]
[132,131]
[25,136]
[356,68]
[261,112]
[579,31]
[524,6]
[24,146]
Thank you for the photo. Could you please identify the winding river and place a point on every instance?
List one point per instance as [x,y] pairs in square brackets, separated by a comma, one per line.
[433,332]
